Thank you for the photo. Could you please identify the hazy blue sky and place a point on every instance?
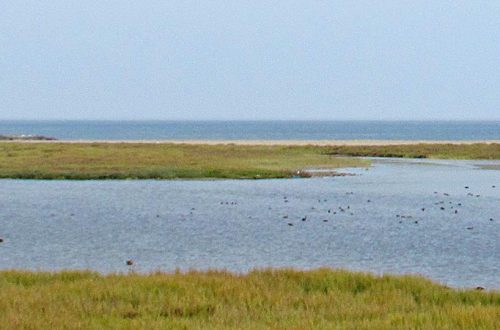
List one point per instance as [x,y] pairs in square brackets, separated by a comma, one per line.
[62,59]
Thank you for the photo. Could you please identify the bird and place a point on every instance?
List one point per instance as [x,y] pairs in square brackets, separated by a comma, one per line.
[130,262]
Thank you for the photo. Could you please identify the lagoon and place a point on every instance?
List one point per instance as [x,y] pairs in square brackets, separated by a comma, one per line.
[376,223]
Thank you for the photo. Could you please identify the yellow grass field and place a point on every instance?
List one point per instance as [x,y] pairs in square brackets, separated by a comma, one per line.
[263,299]
[162,161]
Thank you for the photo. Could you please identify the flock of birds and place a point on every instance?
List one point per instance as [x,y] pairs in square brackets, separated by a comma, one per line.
[441,205]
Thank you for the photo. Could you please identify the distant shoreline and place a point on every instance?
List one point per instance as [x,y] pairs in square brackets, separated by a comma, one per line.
[271,142]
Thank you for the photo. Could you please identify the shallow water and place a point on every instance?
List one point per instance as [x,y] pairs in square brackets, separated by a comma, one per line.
[239,225]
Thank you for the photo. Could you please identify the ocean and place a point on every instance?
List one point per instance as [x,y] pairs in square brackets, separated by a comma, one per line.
[257,130]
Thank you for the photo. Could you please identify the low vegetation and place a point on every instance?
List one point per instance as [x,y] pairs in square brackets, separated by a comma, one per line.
[279,299]
[191,161]
[423,150]
[162,161]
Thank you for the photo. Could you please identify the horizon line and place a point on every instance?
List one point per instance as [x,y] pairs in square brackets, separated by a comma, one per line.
[243,120]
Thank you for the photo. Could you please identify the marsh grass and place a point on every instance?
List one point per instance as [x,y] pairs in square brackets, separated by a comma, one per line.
[197,161]
[161,161]
[279,299]
[423,150]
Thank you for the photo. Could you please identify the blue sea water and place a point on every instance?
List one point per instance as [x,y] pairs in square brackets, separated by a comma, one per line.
[257,130]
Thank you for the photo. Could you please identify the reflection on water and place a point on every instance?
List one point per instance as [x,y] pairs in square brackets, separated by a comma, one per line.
[397,217]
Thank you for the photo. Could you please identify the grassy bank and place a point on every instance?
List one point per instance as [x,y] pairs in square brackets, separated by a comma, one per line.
[423,150]
[160,161]
[283,299]
[171,161]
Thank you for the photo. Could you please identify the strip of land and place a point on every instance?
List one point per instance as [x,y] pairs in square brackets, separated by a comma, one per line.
[276,299]
[275,142]
[422,150]
[128,160]
[163,161]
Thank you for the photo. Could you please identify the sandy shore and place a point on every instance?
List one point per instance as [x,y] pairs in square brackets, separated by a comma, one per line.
[273,142]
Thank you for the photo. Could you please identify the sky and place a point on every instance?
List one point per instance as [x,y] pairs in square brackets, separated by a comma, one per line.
[250,60]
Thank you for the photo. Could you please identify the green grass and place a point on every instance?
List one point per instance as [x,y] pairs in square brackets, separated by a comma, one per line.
[276,299]
[423,150]
[161,161]
[191,161]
